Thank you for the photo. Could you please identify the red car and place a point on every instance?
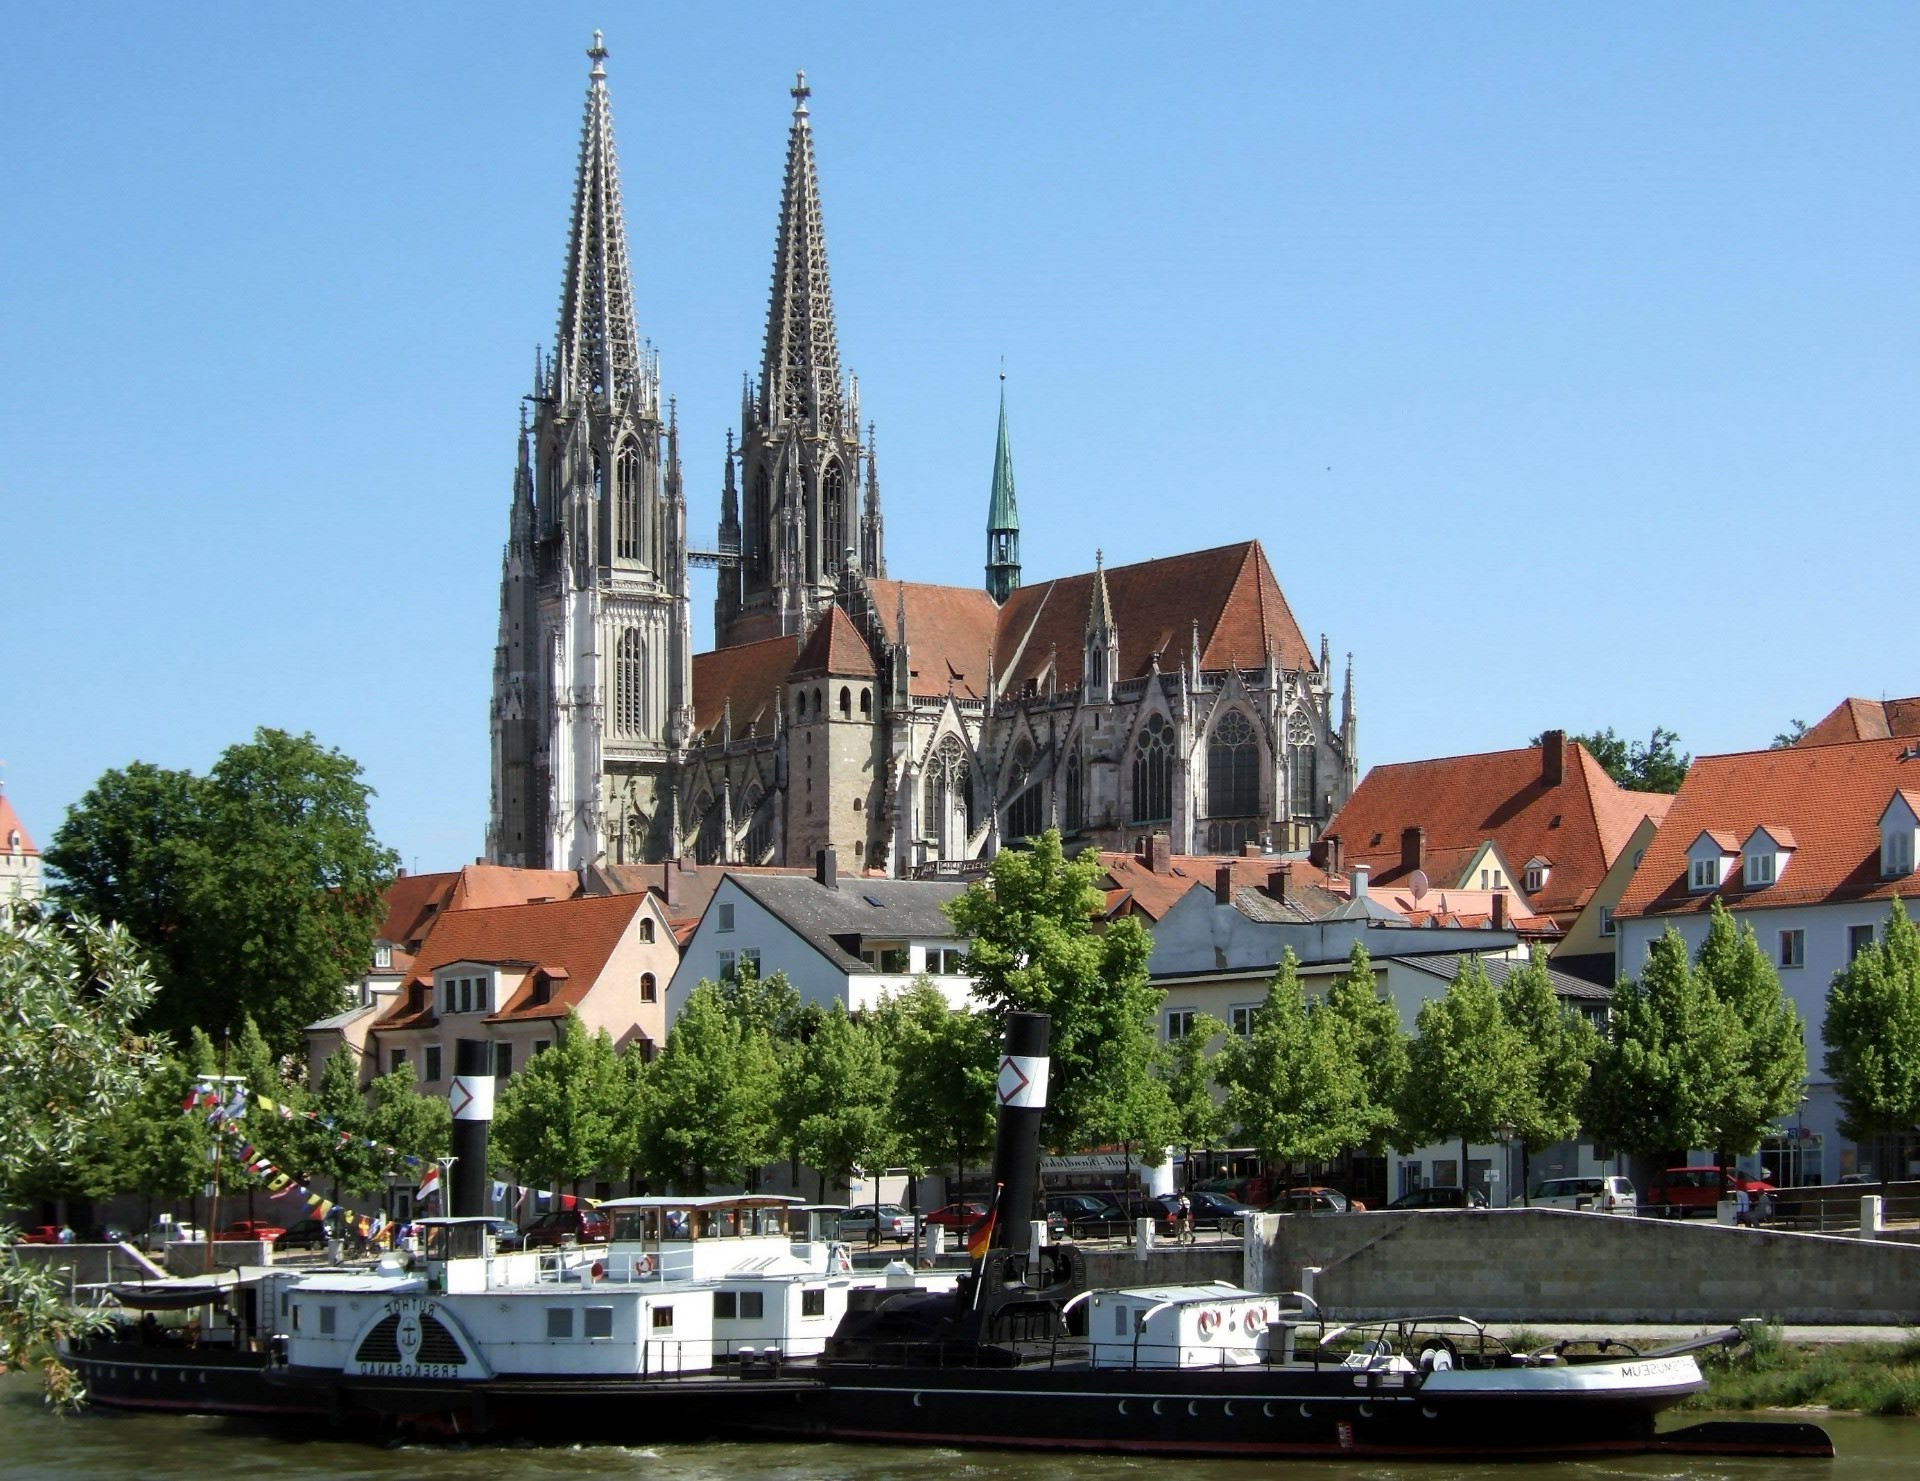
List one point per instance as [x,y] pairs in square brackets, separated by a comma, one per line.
[1680,1191]
[581,1225]
[252,1229]
[41,1234]
[958,1216]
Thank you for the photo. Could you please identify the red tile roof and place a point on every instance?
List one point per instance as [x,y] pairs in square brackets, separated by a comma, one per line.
[572,939]
[1463,801]
[416,901]
[1865,719]
[10,820]
[1231,592]
[1129,881]
[682,886]
[749,675]
[835,648]
[1831,797]
[950,630]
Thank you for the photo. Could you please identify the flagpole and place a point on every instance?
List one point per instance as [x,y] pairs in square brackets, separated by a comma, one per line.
[223,1079]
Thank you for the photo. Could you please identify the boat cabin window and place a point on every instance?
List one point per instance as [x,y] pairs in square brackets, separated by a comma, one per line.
[1120,1321]
[746,1306]
[559,1322]
[663,1318]
[598,1323]
[455,1241]
[326,1321]
[636,1224]
[813,1301]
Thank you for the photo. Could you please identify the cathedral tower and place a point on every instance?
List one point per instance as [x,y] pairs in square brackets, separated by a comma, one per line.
[591,698]
[800,455]
[1003,516]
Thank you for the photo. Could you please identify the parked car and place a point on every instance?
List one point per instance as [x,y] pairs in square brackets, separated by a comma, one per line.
[308,1234]
[1600,1195]
[889,1221]
[1680,1191]
[166,1230]
[111,1234]
[1217,1211]
[1164,1210]
[506,1234]
[558,1226]
[1086,1215]
[1315,1201]
[41,1234]
[958,1217]
[252,1229]
[1440,1198]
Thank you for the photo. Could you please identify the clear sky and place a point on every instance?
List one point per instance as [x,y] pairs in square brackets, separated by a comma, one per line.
[1563,358]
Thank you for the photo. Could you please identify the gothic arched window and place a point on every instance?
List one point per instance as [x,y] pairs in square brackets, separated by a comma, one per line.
[630,684]
[1076,795]
[1096,666]
[759,811]
[1233,768]
[866,703]
[709,844]
[1026,813]
[1153,772]
[759,521]
[833,503]
[626,502]
[846,703]
[946,819]
[1301,759]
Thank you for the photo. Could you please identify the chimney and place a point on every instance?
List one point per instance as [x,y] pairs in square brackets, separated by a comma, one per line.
[1499,910]
[1277,883]
[1317,854]
[1223,885]
[1359,881]
[670,887]
[826,868]
[1334,855]
[1161,848]
[1250,849]
[1553,757]
[1413,848]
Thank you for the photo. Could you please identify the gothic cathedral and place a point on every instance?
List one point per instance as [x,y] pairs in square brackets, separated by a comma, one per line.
[912,727]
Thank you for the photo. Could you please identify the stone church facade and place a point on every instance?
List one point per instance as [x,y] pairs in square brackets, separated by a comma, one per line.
[911,727]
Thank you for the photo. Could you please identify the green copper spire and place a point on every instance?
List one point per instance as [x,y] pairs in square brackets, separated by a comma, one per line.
[1003,516]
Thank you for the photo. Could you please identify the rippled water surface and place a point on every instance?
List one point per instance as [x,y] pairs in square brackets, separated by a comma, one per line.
[35,1443]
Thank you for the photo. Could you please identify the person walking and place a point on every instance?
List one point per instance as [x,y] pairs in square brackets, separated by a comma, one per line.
[1184,1219]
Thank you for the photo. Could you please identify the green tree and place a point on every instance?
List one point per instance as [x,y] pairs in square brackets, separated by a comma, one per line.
[1034,948]
[71,995]
[709,1108]
[414,1125]
[559,1120]
[1873,1033]
[1200,1117]
[342,1147]
[1792,736]
[1557,1047]
[1463,1066]
[1292,1085]
[1657,765]
[1771,1054]
[256,889]
[1370,1027]
[836,1097]
[151,1147]
[943,1060]
[1670,1056]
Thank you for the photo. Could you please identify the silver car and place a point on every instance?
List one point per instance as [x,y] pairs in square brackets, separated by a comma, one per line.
[1598,1195]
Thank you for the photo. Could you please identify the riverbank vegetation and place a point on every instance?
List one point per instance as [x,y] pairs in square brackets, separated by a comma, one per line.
[1880,1378]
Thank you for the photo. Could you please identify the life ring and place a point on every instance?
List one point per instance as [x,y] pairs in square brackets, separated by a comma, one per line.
[646,1264]
[1209,1323]
[1256,1319]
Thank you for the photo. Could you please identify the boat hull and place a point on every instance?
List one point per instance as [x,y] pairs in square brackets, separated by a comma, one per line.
[171,1378]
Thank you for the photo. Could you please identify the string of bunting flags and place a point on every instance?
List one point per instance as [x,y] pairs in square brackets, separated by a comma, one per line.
[225,1110]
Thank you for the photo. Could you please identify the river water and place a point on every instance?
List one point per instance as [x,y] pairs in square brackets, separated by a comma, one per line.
[35,1443]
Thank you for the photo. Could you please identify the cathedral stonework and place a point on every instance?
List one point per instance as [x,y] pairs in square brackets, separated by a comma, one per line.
[911,727]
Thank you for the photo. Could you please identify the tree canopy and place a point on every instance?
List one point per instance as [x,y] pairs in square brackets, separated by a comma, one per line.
[1034,948]
[1465,1066]
[836,1100]
[254,889]
[1292,1085]
[1873,1032]
[1655,765]
[1370,1027]
[710,1098]
[1770,1052]
[944,1060]
[562,1117]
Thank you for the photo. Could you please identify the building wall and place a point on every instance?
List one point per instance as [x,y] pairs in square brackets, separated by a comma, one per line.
[1586,936]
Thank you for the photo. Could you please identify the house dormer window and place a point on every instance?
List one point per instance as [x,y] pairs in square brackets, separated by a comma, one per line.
[1899,825]
[382,957]
[1759,870]
[1706,873]
[1765,856]
[1536,875]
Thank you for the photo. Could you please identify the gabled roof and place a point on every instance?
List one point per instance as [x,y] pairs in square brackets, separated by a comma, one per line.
[750,675]
[1830,796]
[835,648]
[572,939]
[1230,592]
[682,886]
[949,635]
[10,820]
[1865,719]
[876,909]
[1499,969]
[1132,886]
[1724,839]
[1582,823]
[416,901]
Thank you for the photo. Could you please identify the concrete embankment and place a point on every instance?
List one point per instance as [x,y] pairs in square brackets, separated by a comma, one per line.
[1551,1265]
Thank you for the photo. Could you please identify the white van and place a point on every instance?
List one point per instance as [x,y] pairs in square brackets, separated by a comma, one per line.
[1601,1195]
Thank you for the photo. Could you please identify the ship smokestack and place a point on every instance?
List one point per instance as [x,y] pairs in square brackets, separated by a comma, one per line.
[1022,1088]
[471,1101]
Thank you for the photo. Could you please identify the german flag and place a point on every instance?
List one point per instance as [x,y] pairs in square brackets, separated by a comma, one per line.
[981,1235]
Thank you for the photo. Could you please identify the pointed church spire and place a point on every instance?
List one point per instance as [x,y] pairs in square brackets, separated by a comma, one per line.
[1003,515]
[800,371]
[597,349]
[873,548]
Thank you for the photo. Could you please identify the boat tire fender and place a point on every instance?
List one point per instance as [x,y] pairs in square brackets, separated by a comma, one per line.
[1438,1354]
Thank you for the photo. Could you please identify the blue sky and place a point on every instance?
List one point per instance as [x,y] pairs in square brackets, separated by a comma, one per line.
[1562,358]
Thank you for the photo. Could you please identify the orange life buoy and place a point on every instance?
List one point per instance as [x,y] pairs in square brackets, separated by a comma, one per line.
[1209,1323]
[646,1264]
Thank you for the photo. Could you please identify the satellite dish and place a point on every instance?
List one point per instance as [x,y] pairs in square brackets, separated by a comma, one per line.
[1419,884]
